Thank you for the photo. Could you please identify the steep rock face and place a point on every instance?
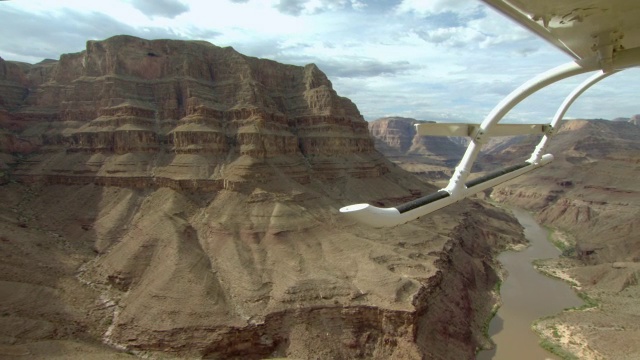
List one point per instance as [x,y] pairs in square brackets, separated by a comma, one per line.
[183,198]
[430,156]
[173,102]
[591,194]
[13,91]
[13,84]
[397,136]
[226,275]
[590,190]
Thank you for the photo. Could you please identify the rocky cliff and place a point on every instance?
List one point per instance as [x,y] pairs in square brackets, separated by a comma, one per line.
[590,189]
[185,109]
[590,198]
[430,156]
[168,197]
[590,193]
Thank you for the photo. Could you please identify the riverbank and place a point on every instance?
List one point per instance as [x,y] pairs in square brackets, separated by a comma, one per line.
[563,340]
[526,295]
[607,326]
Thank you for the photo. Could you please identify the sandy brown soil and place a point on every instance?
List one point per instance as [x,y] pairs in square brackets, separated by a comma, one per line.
[45,311]
[608,325]
[88,264]
[61,349]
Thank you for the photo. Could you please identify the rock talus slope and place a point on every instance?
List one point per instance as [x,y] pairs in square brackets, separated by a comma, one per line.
[177,197]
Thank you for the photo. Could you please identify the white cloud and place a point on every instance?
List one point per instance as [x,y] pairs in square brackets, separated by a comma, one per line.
[452,59]
[428,7]
[164,8]
[453,36]
[299,7]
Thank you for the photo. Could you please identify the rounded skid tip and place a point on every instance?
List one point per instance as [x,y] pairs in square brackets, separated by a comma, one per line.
[546,158]
[352,208]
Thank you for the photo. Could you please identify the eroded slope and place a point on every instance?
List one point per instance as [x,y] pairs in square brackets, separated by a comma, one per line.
[179,198]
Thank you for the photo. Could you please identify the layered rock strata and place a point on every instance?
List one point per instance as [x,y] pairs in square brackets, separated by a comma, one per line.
[590,190]
[181,198]
[432,157]
[187,110]
[397,136]
[226,275]
[590,196]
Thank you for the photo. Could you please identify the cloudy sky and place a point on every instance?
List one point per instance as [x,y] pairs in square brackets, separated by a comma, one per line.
[446,60]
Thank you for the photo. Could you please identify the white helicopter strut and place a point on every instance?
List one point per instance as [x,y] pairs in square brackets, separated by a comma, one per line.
[596,45]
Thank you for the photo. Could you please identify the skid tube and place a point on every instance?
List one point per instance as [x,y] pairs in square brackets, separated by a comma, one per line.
[387,217]
[458,187]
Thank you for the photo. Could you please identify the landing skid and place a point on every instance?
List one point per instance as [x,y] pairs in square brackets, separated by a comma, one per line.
[458,187]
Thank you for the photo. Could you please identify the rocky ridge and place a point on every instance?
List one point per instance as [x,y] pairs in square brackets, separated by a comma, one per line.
[178,106]
[589,197]
[589,190]
[429,156]
[590,185]
[168,197]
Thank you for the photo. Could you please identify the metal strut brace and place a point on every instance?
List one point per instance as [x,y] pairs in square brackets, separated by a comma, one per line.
[456,184]
[457,189]
[568,101]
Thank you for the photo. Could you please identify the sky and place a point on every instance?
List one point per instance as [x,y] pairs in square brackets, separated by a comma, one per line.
[442,60]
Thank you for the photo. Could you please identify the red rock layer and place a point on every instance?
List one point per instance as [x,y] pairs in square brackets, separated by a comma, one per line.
[162,100]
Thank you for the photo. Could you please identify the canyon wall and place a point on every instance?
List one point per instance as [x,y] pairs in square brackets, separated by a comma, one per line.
[188,110]
[432,157]
[590,190]
[397,136]
[176,198]
[590,198]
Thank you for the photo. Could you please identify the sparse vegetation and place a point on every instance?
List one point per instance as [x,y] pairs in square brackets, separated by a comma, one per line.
[589,302]
[567,249]
[497,286]
[557,350]
[547,270]
[494,311]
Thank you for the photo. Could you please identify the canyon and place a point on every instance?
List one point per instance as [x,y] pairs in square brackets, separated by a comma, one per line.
[590,198]
[431,157]
[173,198]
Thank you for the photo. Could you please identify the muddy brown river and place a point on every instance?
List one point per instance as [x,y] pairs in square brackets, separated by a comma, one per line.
[527,295]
